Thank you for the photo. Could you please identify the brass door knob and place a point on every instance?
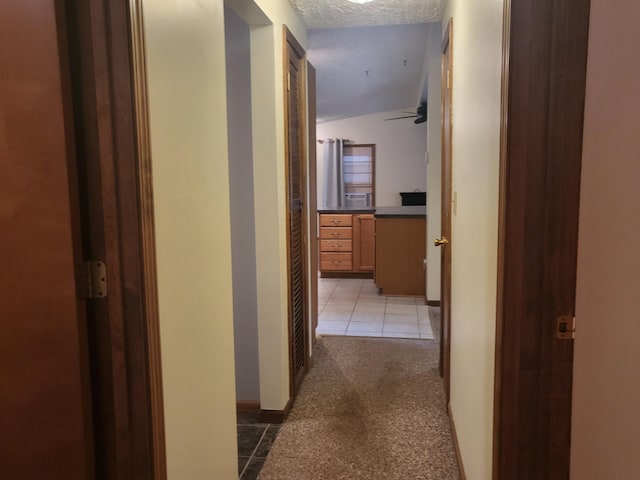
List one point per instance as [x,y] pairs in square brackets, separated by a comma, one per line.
[438,242]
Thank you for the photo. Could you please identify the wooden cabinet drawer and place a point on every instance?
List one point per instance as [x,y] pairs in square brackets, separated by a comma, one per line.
[335,261]
[340,220]
[335,245]
[344,233]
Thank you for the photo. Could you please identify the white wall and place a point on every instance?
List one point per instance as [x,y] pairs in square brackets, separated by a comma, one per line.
[477,68]
[187,102]
[434,165]
[606,391]
[401,147]
[243,237]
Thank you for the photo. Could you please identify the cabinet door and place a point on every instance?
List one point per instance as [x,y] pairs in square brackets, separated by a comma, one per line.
[364,246]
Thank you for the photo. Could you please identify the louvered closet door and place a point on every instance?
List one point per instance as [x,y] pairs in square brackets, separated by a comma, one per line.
[296,196]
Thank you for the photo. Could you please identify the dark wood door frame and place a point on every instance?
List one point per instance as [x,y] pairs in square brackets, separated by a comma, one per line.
[541,147]
[109,101]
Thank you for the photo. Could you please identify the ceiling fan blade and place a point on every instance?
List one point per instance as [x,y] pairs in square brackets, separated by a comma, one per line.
[398,118]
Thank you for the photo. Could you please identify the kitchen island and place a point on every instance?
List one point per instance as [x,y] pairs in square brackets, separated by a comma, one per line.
[400,250]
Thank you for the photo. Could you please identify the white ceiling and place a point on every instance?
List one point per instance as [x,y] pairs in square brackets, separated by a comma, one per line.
[343,13]
[367,70]
[368,57]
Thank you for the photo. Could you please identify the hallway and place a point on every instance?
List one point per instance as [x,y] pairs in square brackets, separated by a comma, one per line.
[371,408]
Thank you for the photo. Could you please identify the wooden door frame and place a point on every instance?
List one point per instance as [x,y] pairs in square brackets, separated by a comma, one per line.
[110,99]
[372,146]
[544,73]
[289,39]
[445,320]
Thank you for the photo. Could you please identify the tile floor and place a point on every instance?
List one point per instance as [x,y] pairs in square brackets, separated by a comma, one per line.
[354,307]
[254,441]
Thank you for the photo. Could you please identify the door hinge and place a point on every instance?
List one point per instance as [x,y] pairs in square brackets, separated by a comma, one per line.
[288,81]
[448,79]
[96,279]
[566,327]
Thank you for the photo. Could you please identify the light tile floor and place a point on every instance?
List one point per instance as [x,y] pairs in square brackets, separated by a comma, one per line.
[353,307]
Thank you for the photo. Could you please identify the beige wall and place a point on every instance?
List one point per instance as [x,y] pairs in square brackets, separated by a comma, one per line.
[401,146]
[267,91]
[477,68]
[186,65]
[187,101]
[606,391]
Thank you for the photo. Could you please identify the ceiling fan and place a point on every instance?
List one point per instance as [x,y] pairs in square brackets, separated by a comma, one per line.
[420,115]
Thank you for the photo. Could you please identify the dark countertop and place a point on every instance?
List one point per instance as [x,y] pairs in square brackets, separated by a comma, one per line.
[382,212]
[400,212]
[347,210]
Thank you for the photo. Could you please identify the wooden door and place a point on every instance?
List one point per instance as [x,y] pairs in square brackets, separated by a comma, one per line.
[45,409]
[364,247]
[296,201]
[544,94]
[445,230]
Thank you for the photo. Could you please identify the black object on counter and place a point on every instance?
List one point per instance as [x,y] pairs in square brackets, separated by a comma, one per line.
[414,198]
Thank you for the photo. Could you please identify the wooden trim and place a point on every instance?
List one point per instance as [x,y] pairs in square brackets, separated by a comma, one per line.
[456,444]
[293,41]
[373,166]
[433,303]
[275,416]
[445,259]
[147,233]
[248,406]
[504,121]
[118,220]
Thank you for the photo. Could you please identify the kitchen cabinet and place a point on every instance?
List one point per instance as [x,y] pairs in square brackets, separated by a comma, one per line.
[347,244]
[364,242]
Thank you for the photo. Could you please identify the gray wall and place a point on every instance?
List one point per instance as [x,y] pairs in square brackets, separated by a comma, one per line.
[243,239]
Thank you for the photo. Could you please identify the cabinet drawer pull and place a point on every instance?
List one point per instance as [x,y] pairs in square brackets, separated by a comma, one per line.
[337,234]
[335,221]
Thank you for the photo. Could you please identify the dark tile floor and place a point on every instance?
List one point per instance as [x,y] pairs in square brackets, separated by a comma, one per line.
[254,441]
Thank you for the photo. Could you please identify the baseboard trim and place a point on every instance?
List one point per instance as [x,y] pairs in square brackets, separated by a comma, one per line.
[463,476]
[346,274]
[275,416]
[247,406]
[433,303]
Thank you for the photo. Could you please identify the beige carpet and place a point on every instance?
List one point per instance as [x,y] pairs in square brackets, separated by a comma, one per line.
[370,408]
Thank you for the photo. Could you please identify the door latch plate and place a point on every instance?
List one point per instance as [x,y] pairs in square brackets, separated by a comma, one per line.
[566,327]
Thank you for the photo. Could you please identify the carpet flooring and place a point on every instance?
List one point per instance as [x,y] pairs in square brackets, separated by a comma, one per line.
[370,408]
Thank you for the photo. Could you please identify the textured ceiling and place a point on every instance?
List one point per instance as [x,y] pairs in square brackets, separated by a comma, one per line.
[369,57]
[343,13]
[368,69]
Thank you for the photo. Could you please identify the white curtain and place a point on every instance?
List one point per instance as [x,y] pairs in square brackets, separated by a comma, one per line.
[333,185]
